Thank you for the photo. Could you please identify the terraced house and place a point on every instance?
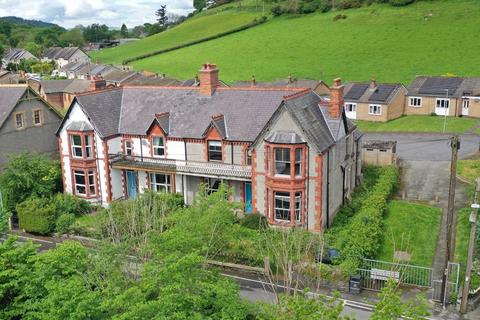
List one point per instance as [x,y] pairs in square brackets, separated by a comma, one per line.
[287,153]
[445,96]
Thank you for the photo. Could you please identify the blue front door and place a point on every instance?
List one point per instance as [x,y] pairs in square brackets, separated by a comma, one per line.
[131,184]
[248,197]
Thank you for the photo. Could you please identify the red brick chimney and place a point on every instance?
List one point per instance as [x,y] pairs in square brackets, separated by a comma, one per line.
[336,103]
[97,83]
[208,79]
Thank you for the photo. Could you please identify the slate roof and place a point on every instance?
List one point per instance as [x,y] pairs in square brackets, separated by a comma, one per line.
[363,92]
[284,137]
[67,86]
[118,76]
[79,126]
[438,86]
[153,81]
[55,53]
[17,54]
[9,97]
[293,83]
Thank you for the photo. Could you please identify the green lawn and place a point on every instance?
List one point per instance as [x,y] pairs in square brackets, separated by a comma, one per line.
[461,245]
[411,227]
[469,169]
[194,29]
[392,43]
[420,124]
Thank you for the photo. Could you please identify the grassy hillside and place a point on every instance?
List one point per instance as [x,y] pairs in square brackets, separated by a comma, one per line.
[196,28]
[395,44]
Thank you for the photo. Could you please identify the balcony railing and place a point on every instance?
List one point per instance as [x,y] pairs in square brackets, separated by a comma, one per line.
[189,167]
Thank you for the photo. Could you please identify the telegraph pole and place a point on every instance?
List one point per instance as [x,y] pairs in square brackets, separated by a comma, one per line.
[471,249]
[451,220]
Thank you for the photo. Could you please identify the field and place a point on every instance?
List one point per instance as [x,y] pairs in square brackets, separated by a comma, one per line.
[194,29]
[393,43]
[411,227]
[420,124]
[469,170]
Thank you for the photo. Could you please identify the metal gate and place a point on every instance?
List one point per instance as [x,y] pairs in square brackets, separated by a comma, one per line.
[375,273]
[451,290]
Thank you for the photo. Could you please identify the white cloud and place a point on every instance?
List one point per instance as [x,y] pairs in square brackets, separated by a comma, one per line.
[69,13]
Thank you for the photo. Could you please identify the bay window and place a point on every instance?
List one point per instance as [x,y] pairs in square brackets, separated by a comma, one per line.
[214,151]
[282,206]
[286,206]
[282,161]
[158,145]
[161,182]
[298,162]
[77,149]
[81,146]
[298,206]
[84,182]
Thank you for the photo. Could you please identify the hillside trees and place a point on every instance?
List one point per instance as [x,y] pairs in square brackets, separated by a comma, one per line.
[124,31]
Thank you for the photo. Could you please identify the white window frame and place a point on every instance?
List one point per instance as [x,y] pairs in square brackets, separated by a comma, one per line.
[285,200]
[159,186]
[76,185]
[128,149]
[76,146]
[372,111]
[20,120]
[298,206]
[446,103]
[88,146]
[158,150]
[298,161]
[91,174]
[213,147]
[415,102]
[350,105]
[466,103]
[286,162]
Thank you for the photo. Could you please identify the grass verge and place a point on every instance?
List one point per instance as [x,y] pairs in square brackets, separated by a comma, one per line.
[469,170]
[419,124]
[410,227]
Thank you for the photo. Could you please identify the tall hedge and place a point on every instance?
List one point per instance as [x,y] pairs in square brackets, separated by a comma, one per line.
[362,237]
[37,215]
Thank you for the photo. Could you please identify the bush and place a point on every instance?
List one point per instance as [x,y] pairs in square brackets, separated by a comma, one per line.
[277,10]
[308,7]
[362,237]
[349,4]
[37,215]
[64,222]
[400,3]
[254,221]
[27,176]
[339,17]
[69,204]
[433,114]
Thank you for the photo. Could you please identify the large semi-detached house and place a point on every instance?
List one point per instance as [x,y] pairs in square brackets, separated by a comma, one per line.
[286,153]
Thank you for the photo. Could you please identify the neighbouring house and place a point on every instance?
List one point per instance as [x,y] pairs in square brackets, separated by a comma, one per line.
[318,86]
[286,154]
[62,56]
[374,101]
[9,77]
[60,93]
[27,123]
[379,153]
[15,56]
[445,96]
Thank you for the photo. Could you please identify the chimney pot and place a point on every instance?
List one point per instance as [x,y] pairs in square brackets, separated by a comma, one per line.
[373,83]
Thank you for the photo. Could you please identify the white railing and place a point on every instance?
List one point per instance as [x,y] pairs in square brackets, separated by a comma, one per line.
[188,167]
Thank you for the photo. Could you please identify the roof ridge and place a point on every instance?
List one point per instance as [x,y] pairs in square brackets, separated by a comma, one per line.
[98,91]
[297,94]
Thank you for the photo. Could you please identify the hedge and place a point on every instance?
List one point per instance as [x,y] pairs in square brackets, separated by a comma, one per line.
[37,215]
[254,23]
[362,237]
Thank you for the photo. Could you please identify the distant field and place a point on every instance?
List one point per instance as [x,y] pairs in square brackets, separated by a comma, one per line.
[406,226]
[194,29]
[420,124]
[394,44]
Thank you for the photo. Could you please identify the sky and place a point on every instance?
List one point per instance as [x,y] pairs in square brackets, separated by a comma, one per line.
[69,13]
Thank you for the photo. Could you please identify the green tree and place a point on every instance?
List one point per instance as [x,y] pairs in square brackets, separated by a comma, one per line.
[2,50]
[27,175]
[162,16]
[97,33]
[33,48]
[124,31]
[72,37]
[199,4]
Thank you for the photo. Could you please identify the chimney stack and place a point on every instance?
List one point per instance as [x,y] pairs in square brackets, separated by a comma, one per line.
[208,79]
[97,83]
[373,83]
[336,103]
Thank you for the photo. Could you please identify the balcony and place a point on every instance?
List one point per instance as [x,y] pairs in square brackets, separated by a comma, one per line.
[191,168]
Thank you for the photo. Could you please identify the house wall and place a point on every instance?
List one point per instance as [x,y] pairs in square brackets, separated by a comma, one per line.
[396,106]
[429,104]
[34,139]
[362,112]
[55,99]
[474,109]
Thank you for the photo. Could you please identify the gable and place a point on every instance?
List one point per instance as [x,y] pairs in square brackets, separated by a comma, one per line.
[213,134]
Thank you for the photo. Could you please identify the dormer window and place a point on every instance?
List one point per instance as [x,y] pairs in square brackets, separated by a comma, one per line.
[158,145]
[282,161]
[214,150]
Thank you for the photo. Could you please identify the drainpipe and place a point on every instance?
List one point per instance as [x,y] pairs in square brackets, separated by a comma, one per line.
[328,188]
[141,148]
[307,170]
[231,148]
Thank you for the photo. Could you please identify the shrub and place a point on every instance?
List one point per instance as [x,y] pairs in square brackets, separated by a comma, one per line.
[349,4]
[339,17]
[277,10]
[64,222]
[254,221]
[37,215]
[308,7]
[27,175]
[433,114]
[324,5]
[400,3]
[362,237]
[69,204]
